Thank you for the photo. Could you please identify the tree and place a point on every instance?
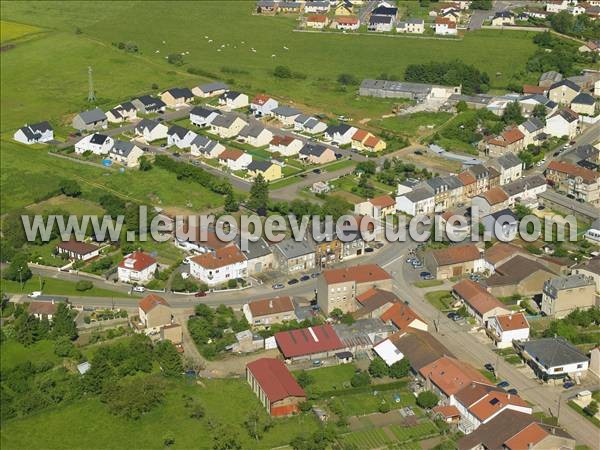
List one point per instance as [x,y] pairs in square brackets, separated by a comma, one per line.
[225,438]
[176,59]
[347,79]
[336,314]
[168,359]
[562,22]
[133,398]
[481,4]
[427,399]
[400,369]
[512,114]
[304,378]
[18,270]
[384,407]
[539,111]
[63,323]
[361,378]
[70,188]
[231,204]
[282,72]
[259,195]
[378,368]
[257,424]
[63,347]
[462,106]
[145,164]
[591,409]
[84,285]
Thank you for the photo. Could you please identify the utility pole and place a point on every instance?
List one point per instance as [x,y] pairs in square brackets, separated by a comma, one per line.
[91,93]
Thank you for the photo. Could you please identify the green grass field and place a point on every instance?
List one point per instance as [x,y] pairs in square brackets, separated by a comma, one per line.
[11,31]
[54,286]
[14,353]
[331,378]
[413,124]
[439,299]
[87,424]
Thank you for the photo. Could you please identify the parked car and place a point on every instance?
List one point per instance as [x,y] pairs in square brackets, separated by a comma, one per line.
[568,384]
[452,315]
[305,278]
[278,286]
[409,260]
[369,250]
[512,391]
[503,384]
[293,281]
[200,294]
[315,275]
[426,276]
[490,367]
[317,171]
[338,155]
[138,289]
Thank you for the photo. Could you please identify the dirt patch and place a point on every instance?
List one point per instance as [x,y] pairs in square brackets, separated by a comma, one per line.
[383,419]
[7,47]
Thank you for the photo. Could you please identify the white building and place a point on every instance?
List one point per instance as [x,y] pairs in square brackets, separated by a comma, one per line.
[412,26]
[340,134]
[510,167]
[554,358]
[445,27]
[415,202]
[202,116]
[137,267]
[262,105]
[126,153]
[285,145]
[256,135]
[151,130]
[180,137]
[220,266]
[205,147]
[98,144]
[507,328]
[36,133]
[233,100]
[235,159]
[562,123]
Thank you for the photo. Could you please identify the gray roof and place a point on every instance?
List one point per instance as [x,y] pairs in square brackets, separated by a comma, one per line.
[285,111]
[567,114]
[415,21]
[202,111]
[259,165]
[592,265]
[301,119]
[98,139]
[519,186]
[476,99]
[202,142]
[151,102]
[509,160]
[92,116]
[35,130]
[552,352]
[146,123]
[122,148]
[568,83]
[587,151]
[397,86]
[584,99]
[584,209]
[290,248]
[374,19]
[419,194]
[224,120]
[479,171]
[256,249]
[449,182]
[252,130]
[551,75]
[126,106]
[569,282]
[532,124]
[231,95]
[177,130]
[180,92]
[312,149]
[341,129]
[211,87]
[363,332]
[504,14]
[311,123]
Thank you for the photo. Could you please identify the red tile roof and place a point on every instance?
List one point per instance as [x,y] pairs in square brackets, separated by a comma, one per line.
[137,261]
[308,341]
[502,251]
[456,254]
[510,322]
[317,18]
[445,21]
[268,306]
[282,140]
[466,178]
[383,201]
[220,258]
[447,411]
[346,20]
[80,248]
[231,153]
[477,297]
[495,195]
[260,99]
[588,175]
[400,315]
[532,89]
[275,379]
[527,437]
[372,141]
[493,402]
[359,274]
[151,301]
[42,308]
[360,135]
[450,375]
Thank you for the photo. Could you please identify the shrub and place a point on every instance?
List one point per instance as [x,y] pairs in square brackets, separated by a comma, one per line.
[360,379]
[384,407]
[84,285]
[427,399]
[232,284]
[282,72]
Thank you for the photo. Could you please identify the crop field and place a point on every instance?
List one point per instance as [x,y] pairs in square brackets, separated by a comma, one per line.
[10,31]
[392,434]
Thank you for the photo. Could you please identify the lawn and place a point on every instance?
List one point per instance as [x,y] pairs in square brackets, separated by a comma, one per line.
[330,378]
[10,31]
[367,402]
[75,206]
[14,353]
[428,283]
[87,424]
[54,286]
[414,124]
[284,182]
[339,165]
[439,299]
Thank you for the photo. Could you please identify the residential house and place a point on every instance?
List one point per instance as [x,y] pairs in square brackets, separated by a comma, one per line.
[340,134]
[285,145]
[583,184]
[77,251]
[267,7]
[259,256]
[489,202]
[377,207]
[338,288]
[374,303]
[481,175]
[267,169]
[450,14]
[403,317]
[318,21]
[385,9]
[227,125]
[454,261]
[275,387]
[501,252]
[122,113]
[519,275]
[137,267]
[554,358]
[412,26]
[563,92]
[448,191]
[328,249]
[380,23]
[262,105]
[525,190]
[502,18]
[419,347]
[529,89]
[255,134]
[126,153]
[509,141]
[320,187]
[563,295]
[295,256]
[502,225]
[154,312]
[312,343]
[98,144]
[316,6]
[42,310]
[469,184]
[290,7]
[180,137]
[347,23]
[205,147]
[149,105]
[235,159]
[203,116]
[309,125]
[285,114]
[93,119]
[364,141]
[549,78]
[344,7]
[151,130]
[233,100]
[445,26]
[590,268]
[584,104]
[506,328]
[177,97]
[447,376]
[479,302]
[37,133]
[316,154]
[416,202]
[533,131]
[494,176]
[220,266]
[210,89]
[269,311]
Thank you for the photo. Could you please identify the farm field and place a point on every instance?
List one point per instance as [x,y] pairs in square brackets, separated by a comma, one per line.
[87,423]
[10,31]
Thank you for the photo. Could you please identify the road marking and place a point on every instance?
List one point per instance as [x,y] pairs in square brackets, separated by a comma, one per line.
[393,260]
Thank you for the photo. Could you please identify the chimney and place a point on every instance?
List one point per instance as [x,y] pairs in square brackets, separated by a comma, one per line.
[270,304]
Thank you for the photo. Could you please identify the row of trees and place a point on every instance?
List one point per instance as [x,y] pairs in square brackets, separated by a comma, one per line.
[451,74]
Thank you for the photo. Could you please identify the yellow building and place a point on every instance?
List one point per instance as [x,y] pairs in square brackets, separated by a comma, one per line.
[268,170]
[365,141]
